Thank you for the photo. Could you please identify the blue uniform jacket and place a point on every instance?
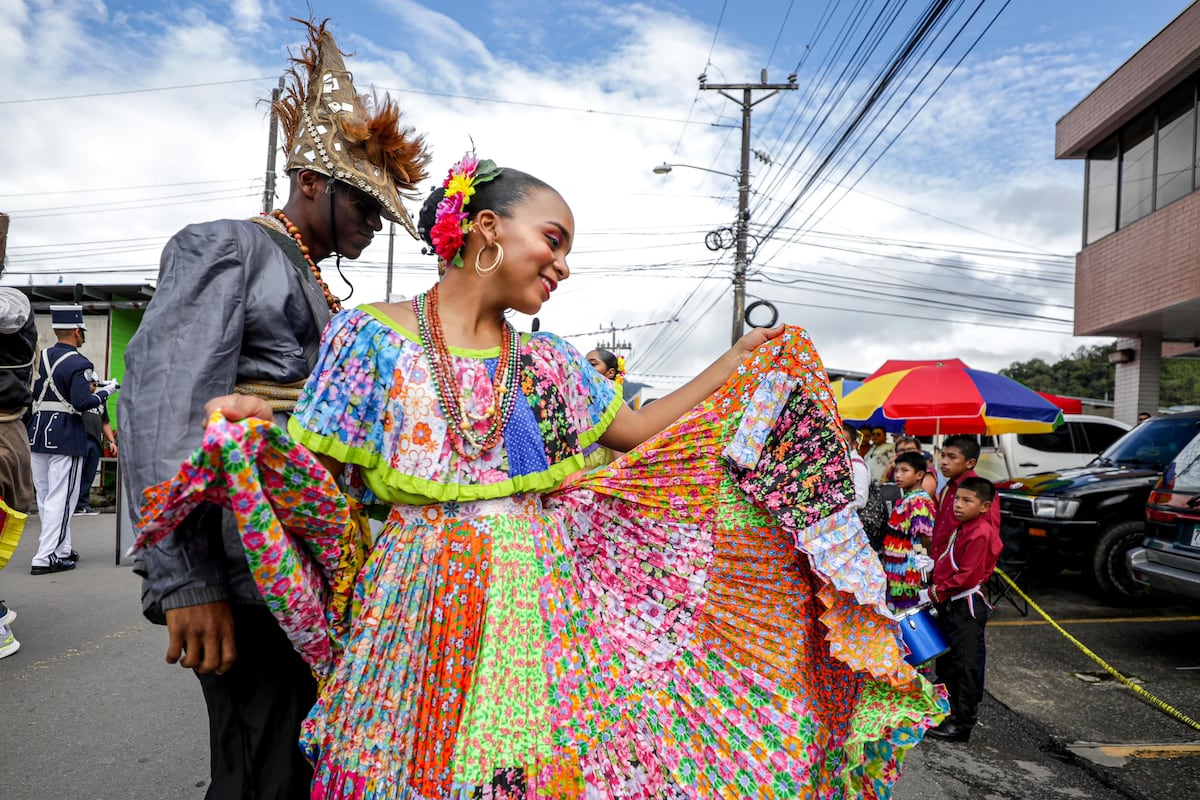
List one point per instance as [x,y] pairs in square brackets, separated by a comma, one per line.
[58,432]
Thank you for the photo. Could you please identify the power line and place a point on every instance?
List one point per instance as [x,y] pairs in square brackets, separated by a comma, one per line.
[882,85]
[124,188]
[779,35]
[222,193]
[95,210]
[132,91]
[897,294]
[551,107]
[615,330]
[451,95]
[901,315]
[919,109]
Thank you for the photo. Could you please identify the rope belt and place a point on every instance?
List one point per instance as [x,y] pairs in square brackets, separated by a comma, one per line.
[11,416]
[28,363]
[279,396]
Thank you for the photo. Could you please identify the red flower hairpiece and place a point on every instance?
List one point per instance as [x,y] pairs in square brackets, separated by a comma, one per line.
[452,221]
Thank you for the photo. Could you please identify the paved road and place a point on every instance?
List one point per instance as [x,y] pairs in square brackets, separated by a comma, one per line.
[89,709]
[1040,674]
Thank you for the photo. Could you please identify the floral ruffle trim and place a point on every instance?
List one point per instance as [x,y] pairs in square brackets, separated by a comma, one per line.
[276,491]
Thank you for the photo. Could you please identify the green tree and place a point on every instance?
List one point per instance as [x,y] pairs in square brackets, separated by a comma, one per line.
[1088,373]
[1084,373]
[1180,382]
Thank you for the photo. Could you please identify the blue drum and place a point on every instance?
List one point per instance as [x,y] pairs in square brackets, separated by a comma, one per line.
[922,635]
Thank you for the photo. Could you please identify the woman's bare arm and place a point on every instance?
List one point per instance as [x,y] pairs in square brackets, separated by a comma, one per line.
[630,428]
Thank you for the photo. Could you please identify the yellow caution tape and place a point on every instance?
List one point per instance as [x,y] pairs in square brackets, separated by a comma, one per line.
[1138,690]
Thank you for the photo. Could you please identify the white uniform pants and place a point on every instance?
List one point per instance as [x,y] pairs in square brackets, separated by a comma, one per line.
[56,480]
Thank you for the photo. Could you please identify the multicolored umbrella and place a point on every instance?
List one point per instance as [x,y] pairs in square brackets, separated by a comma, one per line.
[948,397]
[844,386]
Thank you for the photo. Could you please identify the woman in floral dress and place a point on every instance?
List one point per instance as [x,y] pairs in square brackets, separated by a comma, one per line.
[701,618]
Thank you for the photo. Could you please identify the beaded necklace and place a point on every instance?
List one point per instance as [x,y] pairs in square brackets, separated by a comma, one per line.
[504,385]
[335,305]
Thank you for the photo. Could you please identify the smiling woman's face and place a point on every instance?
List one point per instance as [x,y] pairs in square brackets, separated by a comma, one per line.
[536,239]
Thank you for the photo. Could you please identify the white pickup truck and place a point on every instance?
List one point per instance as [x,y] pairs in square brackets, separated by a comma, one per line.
[1073,444]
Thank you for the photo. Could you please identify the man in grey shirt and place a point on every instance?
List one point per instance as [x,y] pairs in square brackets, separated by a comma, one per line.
[240,305]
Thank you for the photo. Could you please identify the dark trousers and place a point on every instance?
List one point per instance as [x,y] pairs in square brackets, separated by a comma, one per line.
[254,714]
[960,668]
[91,462]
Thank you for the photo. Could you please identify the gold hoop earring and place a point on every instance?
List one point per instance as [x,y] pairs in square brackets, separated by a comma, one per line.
[485,271]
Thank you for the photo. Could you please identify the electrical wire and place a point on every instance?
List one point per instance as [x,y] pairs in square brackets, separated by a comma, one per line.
[915,114]
[132,91]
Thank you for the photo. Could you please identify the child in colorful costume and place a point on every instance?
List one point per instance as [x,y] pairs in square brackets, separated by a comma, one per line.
[702,617]
[910,527]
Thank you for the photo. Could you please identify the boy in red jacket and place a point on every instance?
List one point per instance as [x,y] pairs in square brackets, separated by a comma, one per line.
[960,569]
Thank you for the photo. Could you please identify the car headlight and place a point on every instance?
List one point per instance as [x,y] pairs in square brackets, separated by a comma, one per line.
[1055,507]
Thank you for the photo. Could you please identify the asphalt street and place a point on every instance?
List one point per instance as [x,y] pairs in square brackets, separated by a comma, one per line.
[90,709]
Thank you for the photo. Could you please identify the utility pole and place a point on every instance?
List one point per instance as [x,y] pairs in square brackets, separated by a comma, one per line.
[391,256]
[746,102]
[612,345]
[3,236]
[272,149]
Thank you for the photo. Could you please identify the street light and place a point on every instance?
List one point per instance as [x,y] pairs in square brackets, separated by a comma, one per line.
[664,168]
[740,261]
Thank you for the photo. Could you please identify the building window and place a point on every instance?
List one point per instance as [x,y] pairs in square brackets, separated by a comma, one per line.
[1137,170]
[1102,190]
[1176,145]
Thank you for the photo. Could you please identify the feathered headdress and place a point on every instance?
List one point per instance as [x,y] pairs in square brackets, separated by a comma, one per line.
[356,139]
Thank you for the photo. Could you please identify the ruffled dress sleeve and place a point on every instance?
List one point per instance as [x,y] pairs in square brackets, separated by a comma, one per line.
[574,404]
[342,411]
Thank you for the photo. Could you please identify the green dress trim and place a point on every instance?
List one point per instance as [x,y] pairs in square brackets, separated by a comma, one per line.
[392,486]
[465,352]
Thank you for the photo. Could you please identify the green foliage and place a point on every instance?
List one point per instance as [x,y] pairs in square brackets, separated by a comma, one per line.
[1084,373]
[1087,373]
[1180,382]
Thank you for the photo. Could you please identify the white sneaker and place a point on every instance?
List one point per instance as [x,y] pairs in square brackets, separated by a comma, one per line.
[8,643]
[7,615]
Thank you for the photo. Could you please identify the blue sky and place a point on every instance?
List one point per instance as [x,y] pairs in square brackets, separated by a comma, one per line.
[127,120]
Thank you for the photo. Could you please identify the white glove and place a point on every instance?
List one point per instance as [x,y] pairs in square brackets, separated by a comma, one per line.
[109,388]
[923,596]
[923,564]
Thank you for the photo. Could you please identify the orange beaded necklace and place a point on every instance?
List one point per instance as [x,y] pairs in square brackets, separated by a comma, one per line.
[335,305]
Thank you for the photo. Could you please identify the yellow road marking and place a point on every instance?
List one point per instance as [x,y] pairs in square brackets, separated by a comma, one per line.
[1118,755]
[1014,623]
[1150,750]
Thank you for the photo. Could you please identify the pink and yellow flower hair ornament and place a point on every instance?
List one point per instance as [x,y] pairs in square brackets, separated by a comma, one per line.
[452,221]
[620,370]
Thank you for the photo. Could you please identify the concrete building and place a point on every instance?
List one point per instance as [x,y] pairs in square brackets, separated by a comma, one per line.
[1138,275]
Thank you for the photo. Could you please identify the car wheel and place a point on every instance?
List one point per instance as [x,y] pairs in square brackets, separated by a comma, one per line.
[1110,572]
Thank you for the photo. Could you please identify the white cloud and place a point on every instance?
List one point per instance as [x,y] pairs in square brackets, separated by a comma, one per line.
[247,15]
[977,156]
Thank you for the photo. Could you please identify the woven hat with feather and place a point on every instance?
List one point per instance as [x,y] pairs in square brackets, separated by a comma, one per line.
[356,139]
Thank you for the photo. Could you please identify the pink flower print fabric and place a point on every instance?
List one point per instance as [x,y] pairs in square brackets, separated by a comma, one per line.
[703,617]
[302,539]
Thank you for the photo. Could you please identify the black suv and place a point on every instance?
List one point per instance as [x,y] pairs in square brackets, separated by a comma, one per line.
[1170,558]
[1091,517]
